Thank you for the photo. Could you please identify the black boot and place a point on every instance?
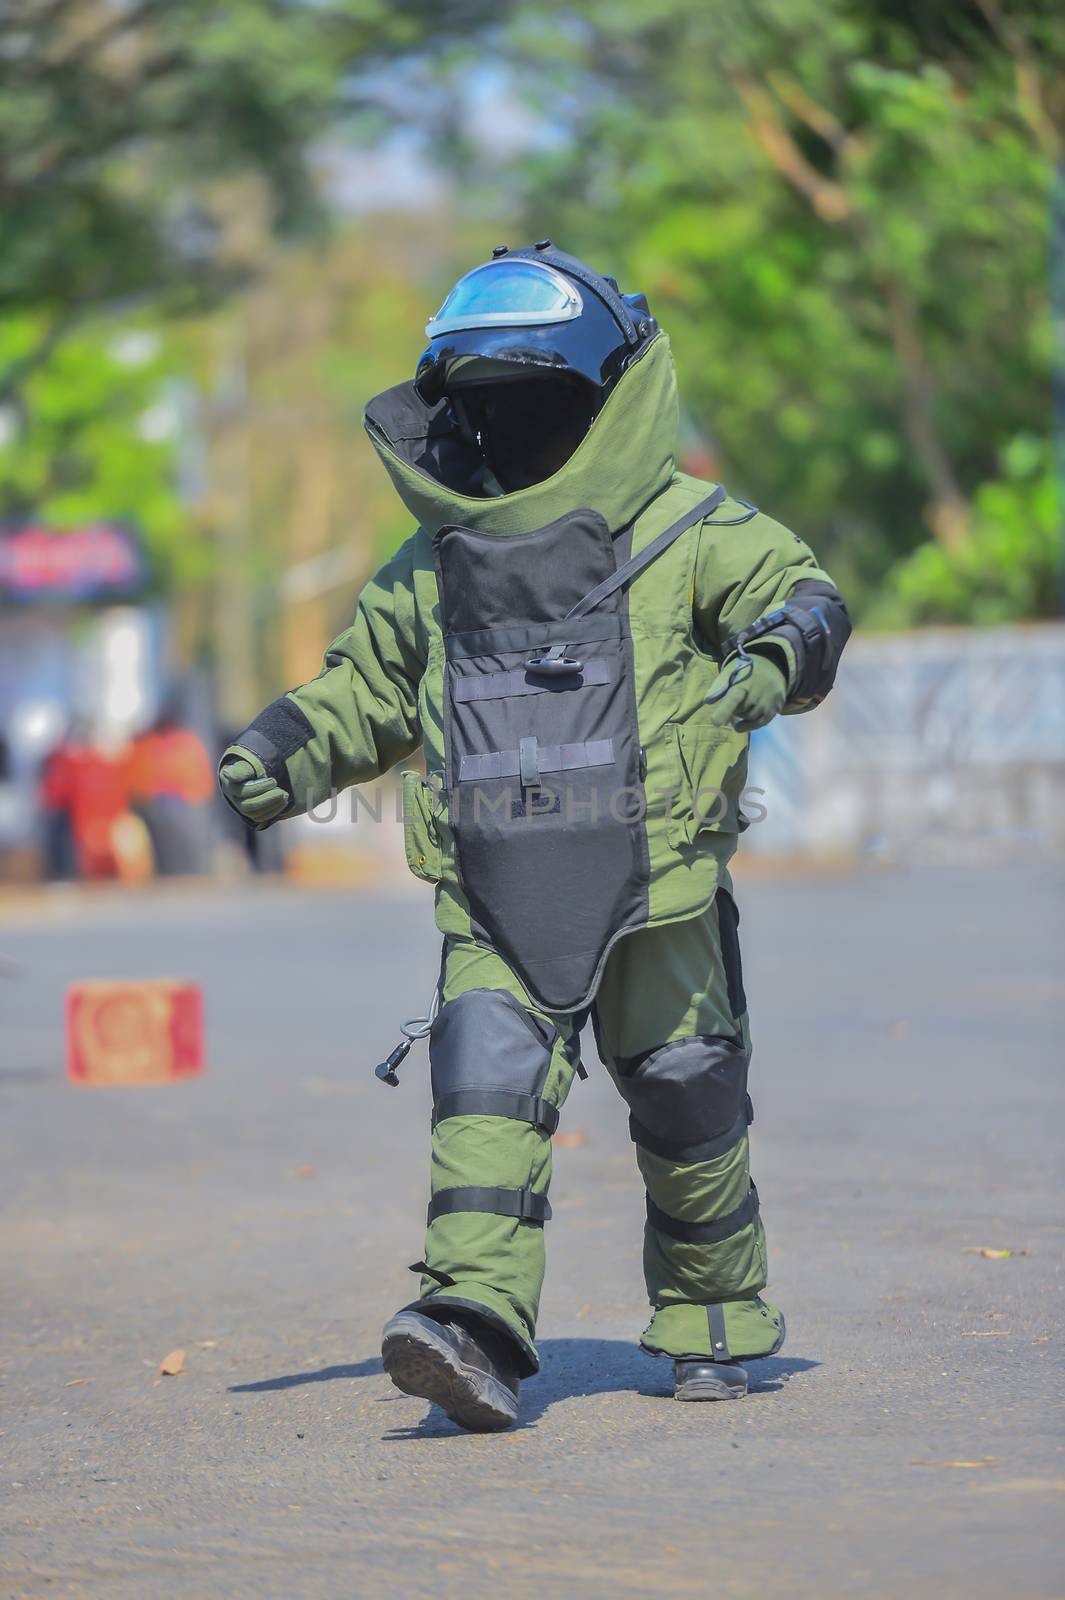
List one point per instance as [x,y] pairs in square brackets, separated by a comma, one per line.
[469,1371]
[699,1378]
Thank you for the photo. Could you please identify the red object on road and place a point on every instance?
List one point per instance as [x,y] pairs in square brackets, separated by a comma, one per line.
[143,1031]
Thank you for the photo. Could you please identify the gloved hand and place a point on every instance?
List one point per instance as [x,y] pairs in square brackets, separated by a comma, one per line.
[243,780]
[753,700]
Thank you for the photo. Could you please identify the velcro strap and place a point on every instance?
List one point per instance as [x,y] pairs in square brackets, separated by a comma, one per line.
[529,762]
[715,1322]
[767,623]
[497,1103]
[683,1153]
[705,1232]
[550,758]
[283,725]
[519,681]
[520,1203]
[257,744]
[808,621]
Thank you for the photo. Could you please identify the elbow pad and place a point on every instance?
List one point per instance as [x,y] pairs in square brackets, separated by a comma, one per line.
[813,620]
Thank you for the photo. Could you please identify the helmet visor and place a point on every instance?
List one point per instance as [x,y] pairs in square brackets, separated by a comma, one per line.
[507,294]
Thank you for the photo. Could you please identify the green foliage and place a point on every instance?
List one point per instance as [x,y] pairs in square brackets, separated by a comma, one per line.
[840,212]
[124,126]
[102,440]
[149,151]
[838,209]
[1010,566]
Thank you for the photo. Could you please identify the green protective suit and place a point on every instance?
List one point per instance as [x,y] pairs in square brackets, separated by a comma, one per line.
[673,983]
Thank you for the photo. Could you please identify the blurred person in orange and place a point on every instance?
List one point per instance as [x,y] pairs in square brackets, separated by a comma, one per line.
[171,786]
[87,786]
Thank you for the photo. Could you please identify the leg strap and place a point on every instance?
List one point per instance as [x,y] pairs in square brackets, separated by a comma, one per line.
[705,1232]
[705,1150]
[497,1103]
[520,1203]
[715,1320]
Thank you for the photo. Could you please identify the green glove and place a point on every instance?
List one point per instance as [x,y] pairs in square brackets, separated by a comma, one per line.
[243,781]
[754,698]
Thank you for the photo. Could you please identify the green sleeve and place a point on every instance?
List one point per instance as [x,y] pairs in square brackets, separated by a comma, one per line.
[360,715]
[744,571]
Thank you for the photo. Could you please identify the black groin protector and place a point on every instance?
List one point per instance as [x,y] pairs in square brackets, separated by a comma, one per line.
[543,764]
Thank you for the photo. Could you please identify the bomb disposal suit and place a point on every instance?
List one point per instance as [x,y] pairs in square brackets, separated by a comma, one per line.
[580,637]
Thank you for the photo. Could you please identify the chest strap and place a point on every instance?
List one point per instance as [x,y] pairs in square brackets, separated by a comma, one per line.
[650,552]
[506,685]
[555,659]
[531,759]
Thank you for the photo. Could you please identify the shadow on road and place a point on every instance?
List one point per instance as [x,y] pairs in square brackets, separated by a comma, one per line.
[292,1380]
[569,1368]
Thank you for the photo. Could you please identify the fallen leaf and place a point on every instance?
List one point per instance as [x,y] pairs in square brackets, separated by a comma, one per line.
[987,1333]
[989,1253]
[172,1365]
[72,1383]
[1044,1338]
[965,1466]
[207,1344]
[571,1141]
[897,1030]
[304,1172]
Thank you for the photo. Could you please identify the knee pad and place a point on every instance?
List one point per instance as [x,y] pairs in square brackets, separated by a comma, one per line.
[688,1099]
[489,1056]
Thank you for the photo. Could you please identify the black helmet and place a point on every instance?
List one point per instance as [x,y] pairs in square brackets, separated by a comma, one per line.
[526,348]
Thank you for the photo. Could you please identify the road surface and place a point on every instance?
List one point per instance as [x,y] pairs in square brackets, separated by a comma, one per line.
[909,1081]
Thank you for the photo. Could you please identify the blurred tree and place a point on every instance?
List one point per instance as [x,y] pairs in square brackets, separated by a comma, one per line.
[839,209]
[125,123]
[150,151]
[105,435]
[301,505]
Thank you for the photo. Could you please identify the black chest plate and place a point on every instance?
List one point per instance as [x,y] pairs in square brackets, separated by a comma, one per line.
[543,768]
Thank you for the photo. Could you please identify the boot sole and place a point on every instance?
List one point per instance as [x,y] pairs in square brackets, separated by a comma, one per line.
[420,1362]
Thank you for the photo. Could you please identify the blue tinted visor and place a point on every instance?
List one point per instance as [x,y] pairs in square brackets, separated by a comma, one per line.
[507,294]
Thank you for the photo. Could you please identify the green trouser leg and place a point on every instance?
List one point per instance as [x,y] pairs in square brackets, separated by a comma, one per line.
[482,1258]
[704,1243]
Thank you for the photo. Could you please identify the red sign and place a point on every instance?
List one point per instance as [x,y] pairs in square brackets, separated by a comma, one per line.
[148,1031]
[101,561]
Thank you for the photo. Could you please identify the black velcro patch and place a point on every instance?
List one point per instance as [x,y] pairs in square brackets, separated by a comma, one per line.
[534,803]
[285,725]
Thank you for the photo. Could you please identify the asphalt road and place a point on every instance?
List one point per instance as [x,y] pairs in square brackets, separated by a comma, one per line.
[908,1080]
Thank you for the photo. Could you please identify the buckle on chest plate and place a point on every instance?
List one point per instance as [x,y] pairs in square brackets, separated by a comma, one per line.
[555,663]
